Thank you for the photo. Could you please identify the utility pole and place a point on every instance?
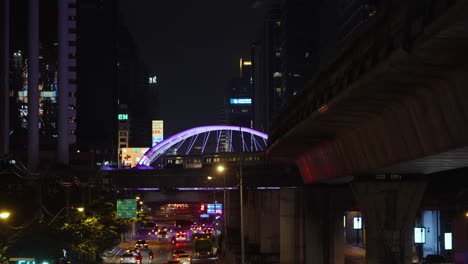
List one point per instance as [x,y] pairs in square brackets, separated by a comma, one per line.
[241,199]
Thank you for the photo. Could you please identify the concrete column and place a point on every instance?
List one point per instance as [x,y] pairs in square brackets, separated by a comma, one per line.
[460,238]
[292,235]
[324,210]
[62,116]
[253,216]
[269,222]
[5,78]
[389,210]
[33,85]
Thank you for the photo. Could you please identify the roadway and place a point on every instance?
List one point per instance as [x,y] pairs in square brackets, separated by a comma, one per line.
[162,251]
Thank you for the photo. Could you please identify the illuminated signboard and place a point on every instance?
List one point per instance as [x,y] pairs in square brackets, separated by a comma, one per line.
[27,261]
[123,116]
[152,79]
[131,156]
[240,101]
[419,235]
[357,223]
[210,209]
[448,241]
[157,132]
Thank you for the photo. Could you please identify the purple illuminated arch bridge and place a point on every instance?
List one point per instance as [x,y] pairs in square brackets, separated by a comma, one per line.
[223,139]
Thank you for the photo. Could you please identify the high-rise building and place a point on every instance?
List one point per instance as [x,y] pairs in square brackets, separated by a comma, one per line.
[112,77]
[239,97]
[297,37]
[54,51]
[97,131]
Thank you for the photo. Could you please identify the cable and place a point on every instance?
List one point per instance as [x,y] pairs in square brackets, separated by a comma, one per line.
[23,226]
[21,176]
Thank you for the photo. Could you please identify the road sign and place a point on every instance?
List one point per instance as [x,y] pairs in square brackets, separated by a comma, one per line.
[127,208]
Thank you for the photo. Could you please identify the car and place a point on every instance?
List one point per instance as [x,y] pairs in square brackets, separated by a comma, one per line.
[163,235]
[435,259]
[184,259]
[141,243]
[133,250]
[177,252]
[129,258]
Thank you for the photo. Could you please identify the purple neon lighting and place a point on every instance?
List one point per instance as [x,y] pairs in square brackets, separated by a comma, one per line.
[218,136]
[192,142]
[205,140]
[231,148]
[209,188]
[156,151]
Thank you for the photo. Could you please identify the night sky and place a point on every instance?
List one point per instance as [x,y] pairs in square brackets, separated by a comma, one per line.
[194,48]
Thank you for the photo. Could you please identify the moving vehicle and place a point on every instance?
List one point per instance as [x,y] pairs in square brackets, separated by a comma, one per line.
[129,258]
[184,259]
[141,243]
[177,252]
[202,247]
[163,235]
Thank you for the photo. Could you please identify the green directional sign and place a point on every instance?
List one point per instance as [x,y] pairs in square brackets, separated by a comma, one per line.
[127,208]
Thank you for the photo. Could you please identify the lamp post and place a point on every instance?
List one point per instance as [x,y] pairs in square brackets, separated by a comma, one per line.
[241,189]
[220,169]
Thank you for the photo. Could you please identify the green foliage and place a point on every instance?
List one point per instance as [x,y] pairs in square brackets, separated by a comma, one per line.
[91,233]
[3,258]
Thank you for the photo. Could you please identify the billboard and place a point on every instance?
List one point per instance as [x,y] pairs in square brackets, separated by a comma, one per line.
[131,156]
[240,101]
[211,210]
[157,132]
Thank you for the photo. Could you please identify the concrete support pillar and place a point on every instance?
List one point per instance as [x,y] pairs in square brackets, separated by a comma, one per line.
[269,222]
[389,210]
[33,85]
[4,77]
[292,235]
[460,238]
[324,210]
[253,217]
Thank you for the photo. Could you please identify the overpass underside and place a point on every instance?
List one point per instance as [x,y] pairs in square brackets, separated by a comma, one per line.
[403,110]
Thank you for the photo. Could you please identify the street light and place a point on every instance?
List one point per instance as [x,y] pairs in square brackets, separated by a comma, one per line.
[80,209]
[220,168]
[4,215]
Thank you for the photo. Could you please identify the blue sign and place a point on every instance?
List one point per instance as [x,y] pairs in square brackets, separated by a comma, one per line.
[240,101]
[210,209]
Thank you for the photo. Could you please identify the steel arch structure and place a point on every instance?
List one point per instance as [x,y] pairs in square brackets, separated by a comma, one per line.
[159,149]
